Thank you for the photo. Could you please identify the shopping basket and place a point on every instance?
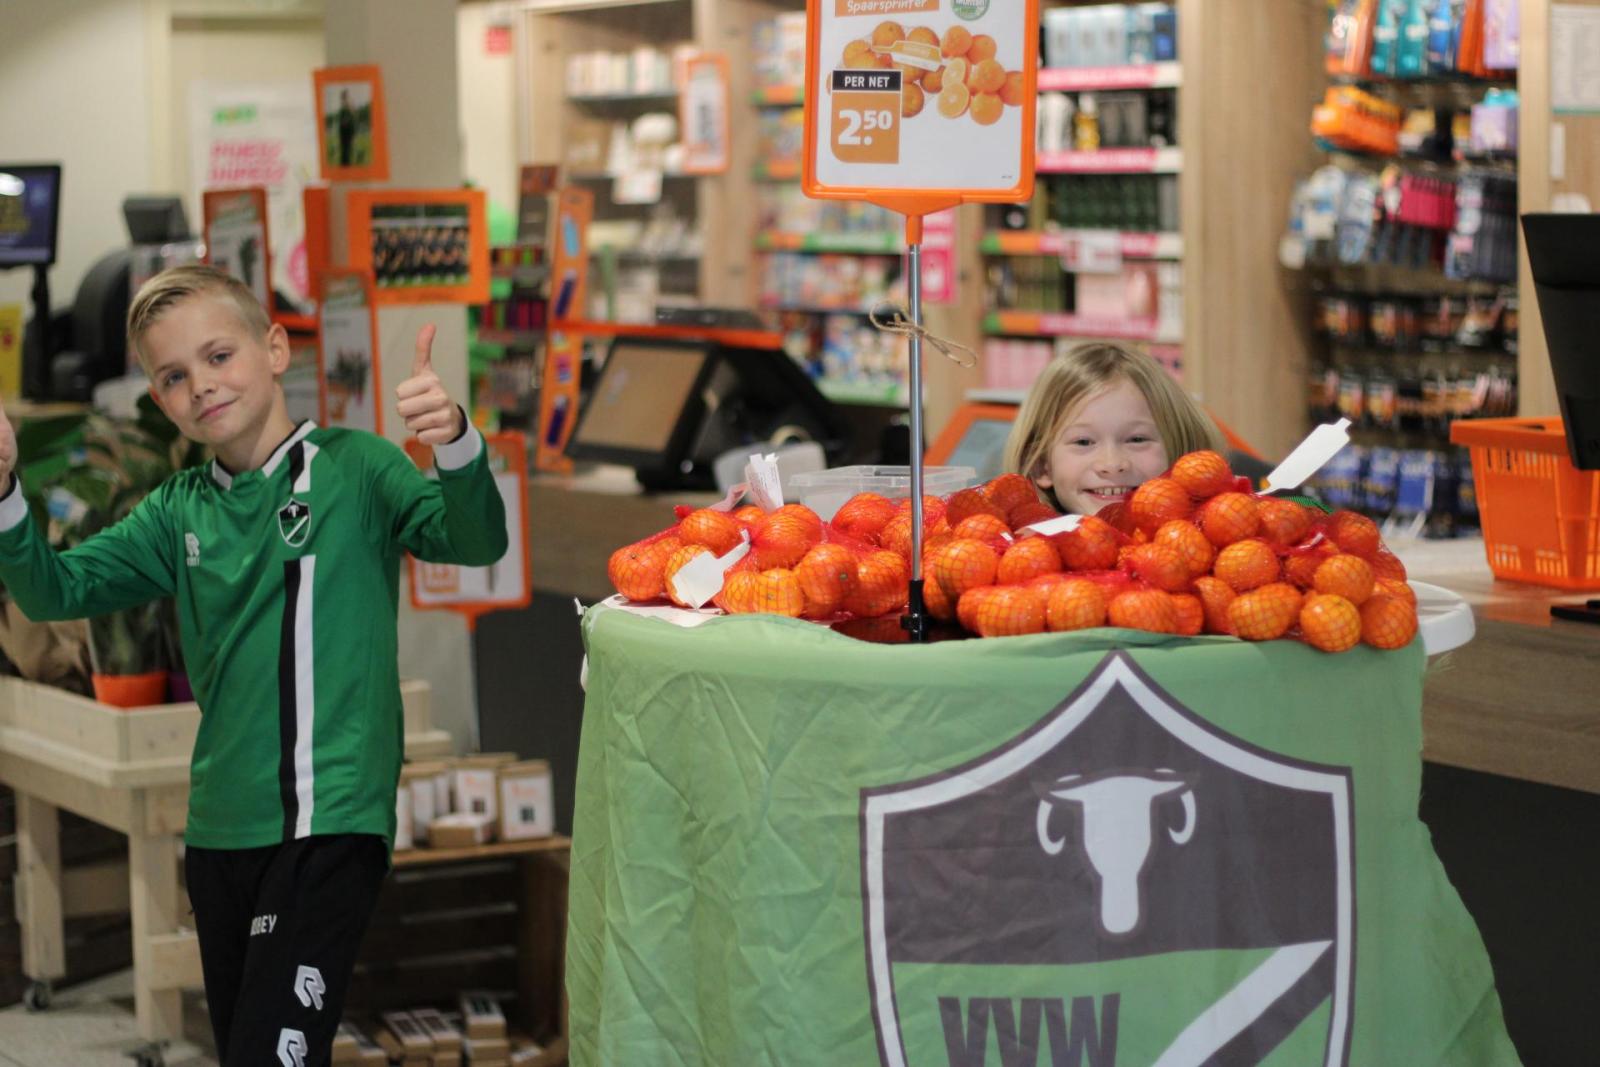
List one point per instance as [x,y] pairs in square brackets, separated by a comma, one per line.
[1540,514]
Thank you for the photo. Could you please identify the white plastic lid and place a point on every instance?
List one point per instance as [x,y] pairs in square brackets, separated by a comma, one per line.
[1443,618]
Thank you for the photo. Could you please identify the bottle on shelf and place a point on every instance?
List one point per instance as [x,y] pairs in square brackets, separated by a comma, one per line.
[1086,124]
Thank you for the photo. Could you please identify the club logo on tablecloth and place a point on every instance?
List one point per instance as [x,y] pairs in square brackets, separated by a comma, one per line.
[1123,885]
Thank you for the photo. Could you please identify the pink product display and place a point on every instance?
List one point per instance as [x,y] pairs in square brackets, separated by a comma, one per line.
[1009,363]
[1129,294]
[1502,34]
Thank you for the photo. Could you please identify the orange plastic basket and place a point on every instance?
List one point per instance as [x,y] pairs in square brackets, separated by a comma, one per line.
[1540,514]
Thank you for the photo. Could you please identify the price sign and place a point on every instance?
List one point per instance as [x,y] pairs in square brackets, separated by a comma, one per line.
[920,104]
[866,116]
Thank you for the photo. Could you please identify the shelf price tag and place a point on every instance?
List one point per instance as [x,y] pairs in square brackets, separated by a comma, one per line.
[866,116]
[1091,251]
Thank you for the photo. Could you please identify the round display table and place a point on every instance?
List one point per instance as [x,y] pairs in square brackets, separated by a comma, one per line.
[1102,848]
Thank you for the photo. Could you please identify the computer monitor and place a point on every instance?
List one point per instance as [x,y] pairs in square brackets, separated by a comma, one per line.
[639,413]
[155,220]
[1564,254]
[669,407]
[30,208]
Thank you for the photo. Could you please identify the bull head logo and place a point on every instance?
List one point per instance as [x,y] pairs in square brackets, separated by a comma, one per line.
[1118,821]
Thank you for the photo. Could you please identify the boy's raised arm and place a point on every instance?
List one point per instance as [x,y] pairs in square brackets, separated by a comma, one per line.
[123,565]
[461,518]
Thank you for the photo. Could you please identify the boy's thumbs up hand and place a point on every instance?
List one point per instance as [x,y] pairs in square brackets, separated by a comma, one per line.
[427,408]
[8,451]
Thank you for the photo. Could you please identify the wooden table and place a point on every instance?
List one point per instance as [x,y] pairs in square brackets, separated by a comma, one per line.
[1521,700]
[128,770]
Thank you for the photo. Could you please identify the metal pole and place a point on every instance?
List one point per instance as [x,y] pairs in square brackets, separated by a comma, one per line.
[916,620]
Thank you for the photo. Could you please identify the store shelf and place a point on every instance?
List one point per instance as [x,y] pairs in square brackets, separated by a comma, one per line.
[1111,161]
[1135,245]
[602,176]
[779,96]
[633,255]
[1066,324]
[996,396]
[766,304]
[777,170]
[851,243]
[1095,79]
[511,338]
[623,98]
[868,394]
[532,274]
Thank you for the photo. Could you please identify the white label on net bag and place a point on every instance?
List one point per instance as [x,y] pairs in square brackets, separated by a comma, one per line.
[1308,457]
[701,578]
[766,485]
[1059,524]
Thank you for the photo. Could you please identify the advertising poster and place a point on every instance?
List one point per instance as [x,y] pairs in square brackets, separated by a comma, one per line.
[352,129]
[472,591]
[10,350]
[703,114]
[920,96]
[350,385]
[236,238]
[422,246]
[260,135]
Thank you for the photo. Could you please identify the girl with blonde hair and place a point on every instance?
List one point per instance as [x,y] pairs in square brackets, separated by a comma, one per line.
[1101,420]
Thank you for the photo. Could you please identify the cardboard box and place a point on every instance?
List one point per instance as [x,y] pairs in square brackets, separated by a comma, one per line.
[444,1035]
[488,1050]
[481,1016]
[345,1047]
[460,830]
[414,1041]
[421,781]
[527,801]
[474,782]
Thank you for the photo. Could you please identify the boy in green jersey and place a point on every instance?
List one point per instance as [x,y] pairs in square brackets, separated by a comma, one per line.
[283,556]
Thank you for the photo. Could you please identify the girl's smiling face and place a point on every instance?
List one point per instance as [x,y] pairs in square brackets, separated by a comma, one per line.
[1109,447]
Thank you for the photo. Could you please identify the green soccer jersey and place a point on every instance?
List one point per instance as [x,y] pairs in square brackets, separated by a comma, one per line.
[287,584]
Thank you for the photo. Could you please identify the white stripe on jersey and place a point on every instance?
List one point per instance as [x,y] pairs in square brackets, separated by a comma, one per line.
[305,702]
[302,484]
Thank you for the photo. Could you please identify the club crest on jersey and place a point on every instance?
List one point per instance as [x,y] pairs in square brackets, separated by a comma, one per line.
[294,522]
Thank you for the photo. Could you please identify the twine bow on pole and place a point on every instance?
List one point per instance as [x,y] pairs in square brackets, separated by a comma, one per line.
[899,321]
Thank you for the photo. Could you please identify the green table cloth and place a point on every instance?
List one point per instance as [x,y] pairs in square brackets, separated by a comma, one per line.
[1108,849]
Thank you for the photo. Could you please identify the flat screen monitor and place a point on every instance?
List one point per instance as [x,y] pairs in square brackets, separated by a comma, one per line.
[1564,255]
[670,408]
[30,207]
[975,437]
[155,220]
[638,413]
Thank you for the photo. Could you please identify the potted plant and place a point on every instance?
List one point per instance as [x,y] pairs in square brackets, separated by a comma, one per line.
[88,472]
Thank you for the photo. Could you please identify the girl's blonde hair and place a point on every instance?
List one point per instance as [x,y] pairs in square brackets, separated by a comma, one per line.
[158,295]
[1082,372]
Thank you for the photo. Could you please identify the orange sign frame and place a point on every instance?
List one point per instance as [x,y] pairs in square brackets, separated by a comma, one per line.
[510,450]
[359,227]
[912,202]
[371,76]
[216,202]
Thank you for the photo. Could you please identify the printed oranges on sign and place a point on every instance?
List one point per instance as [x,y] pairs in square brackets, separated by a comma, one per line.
[986,76]
[956,41]
[1011,90]
[887,33]
[986,109]
[953,99]
[982,48]
[911,99]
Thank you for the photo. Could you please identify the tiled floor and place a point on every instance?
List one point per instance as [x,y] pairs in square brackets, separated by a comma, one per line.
[91,1025]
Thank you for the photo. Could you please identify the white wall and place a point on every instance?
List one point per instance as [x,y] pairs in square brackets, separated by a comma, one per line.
[75,89]
[234,52]
[488,103]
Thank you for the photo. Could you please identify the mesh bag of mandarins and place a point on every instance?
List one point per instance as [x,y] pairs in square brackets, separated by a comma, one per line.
[1192,551]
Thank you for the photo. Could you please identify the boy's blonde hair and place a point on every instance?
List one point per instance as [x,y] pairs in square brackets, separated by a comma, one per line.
[1080,373]
[158,296]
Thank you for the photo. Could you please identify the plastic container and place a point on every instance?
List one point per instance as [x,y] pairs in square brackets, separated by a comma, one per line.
[825,491]
[1540,514]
